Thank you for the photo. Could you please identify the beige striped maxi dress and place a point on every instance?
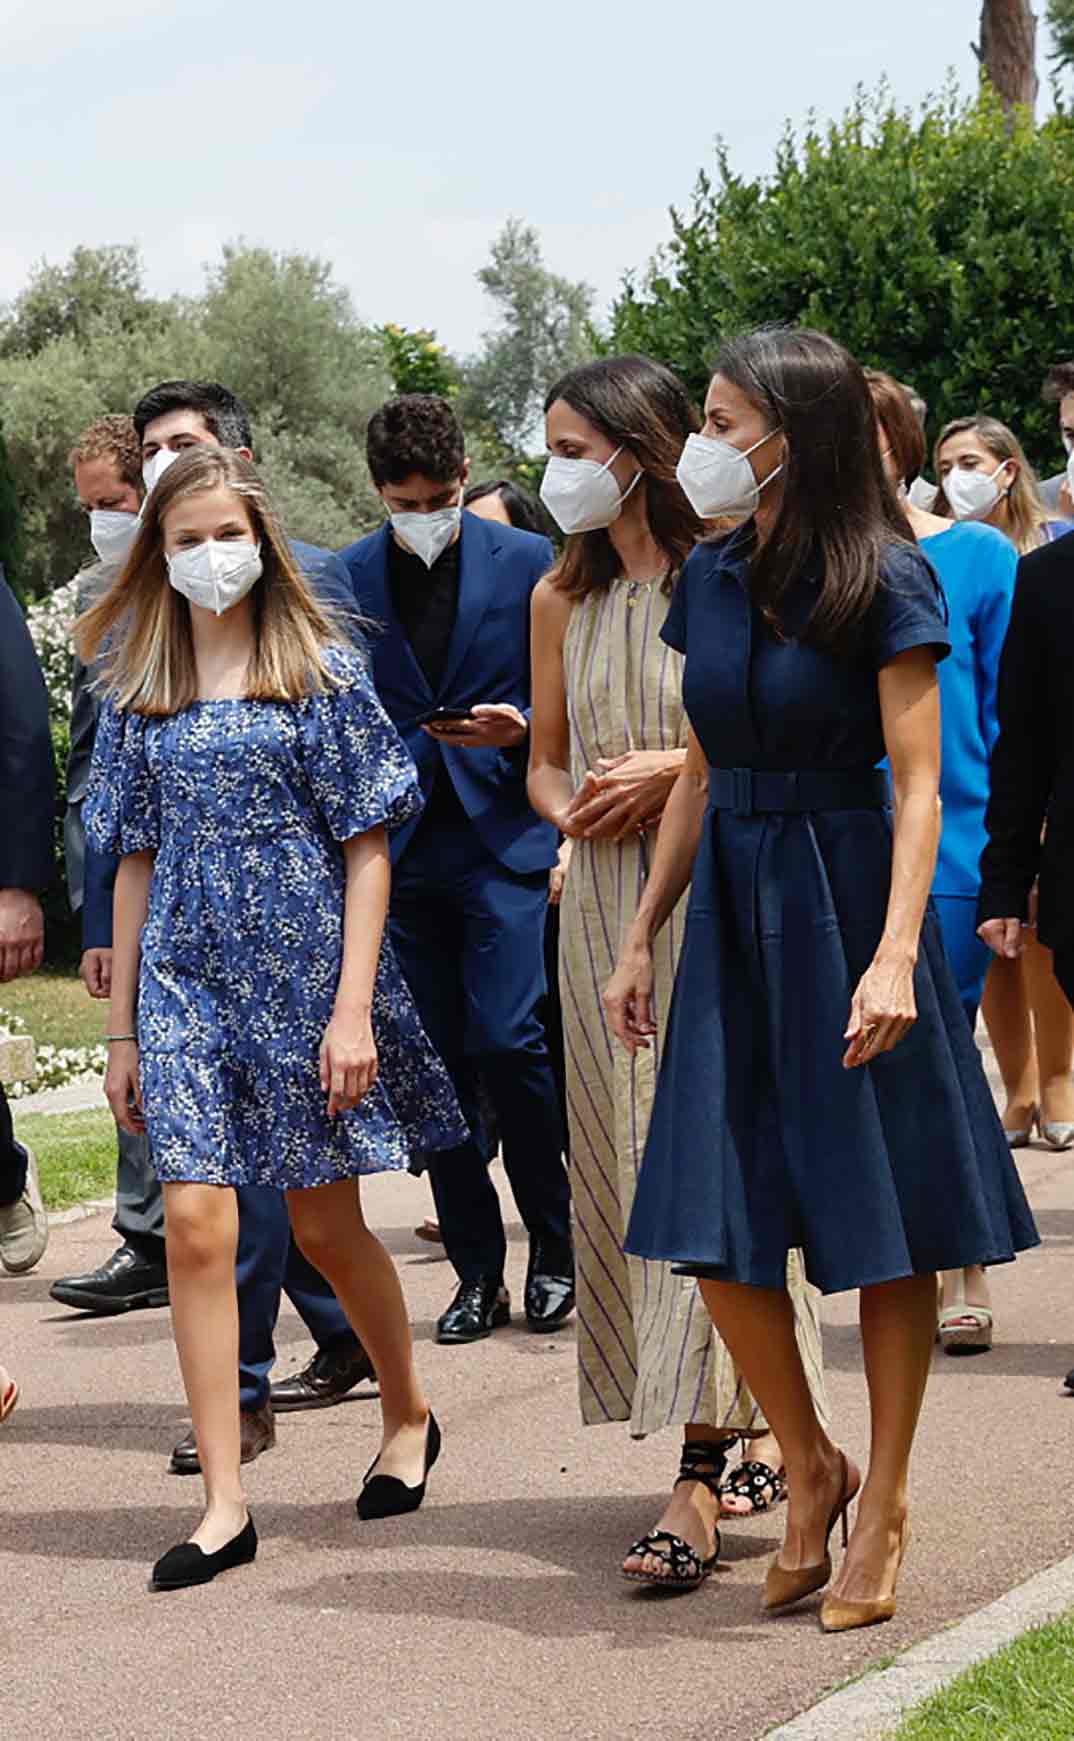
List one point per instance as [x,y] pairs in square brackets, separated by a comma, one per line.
[647,1351]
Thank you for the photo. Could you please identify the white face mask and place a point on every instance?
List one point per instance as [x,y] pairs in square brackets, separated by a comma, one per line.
[581,495]
[717,477]
[216,575]
[112,533]
[154,469]
[973,495]
[428,535]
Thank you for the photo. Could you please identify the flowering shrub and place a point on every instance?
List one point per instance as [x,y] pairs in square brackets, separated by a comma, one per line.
[49,623]
[57,1066]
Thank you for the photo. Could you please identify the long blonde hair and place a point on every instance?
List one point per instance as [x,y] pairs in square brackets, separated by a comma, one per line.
[140,628]
[1025,505]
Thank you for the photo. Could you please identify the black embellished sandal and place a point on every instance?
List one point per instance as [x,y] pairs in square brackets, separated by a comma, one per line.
[762,1485]
[686,1570]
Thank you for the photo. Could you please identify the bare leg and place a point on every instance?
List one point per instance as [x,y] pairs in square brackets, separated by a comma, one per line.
[693,1510]
[331,1231]
[1053,1027]
[201,1234]
[898,1323]
[757,1325]
[1005,1007]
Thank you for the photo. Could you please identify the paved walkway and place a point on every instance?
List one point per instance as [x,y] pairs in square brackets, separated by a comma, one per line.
[496,1612]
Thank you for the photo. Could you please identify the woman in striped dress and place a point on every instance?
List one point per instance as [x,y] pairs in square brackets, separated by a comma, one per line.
[607,741]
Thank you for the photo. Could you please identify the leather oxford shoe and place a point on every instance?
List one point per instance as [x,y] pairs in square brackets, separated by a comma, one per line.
[477,1309]
[258,1434]
[127,1280]
[549,1287]
[325,1380]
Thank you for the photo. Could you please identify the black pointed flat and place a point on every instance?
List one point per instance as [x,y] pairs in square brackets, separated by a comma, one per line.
[386,1495]
[188,1564]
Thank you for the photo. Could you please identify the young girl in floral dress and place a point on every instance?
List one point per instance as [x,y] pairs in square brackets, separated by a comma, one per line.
[259,1025]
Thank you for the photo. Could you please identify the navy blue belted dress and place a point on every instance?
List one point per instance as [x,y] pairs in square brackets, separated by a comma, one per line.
[760,1140]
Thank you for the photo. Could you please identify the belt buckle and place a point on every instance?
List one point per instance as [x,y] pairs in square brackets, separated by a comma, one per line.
[742,790]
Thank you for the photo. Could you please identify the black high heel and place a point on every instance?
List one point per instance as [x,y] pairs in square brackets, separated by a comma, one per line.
[188,1564]
[386,1495]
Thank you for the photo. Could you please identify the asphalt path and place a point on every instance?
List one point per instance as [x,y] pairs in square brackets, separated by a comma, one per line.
[497,1611]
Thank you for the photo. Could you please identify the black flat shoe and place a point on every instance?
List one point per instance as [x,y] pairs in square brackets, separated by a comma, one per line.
[123,1283]
[477,1309]
[549,1297]
[386,1495]
[188,1564]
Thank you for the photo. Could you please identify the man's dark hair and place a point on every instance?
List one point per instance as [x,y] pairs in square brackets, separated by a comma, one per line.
[224,414]
[416,432]
[1058,383]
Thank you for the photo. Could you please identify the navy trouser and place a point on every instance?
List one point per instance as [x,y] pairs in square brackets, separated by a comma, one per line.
[12,1158]
[269,1262]
[469,936]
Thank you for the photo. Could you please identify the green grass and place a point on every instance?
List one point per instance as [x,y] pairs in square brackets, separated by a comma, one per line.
[76,1153]
[1025,1693]
[56,1008]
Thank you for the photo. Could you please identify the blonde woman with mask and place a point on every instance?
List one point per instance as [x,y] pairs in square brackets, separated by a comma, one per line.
[246,775]
[984,475]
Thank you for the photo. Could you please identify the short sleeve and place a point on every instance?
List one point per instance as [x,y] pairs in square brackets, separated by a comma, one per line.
[360,771]
[121,809]
[909,609]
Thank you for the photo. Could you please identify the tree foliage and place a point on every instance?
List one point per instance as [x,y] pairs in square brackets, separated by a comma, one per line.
[935,245]
[543,327]
[1060,17]
[84,339]
[417,363]
[10,523]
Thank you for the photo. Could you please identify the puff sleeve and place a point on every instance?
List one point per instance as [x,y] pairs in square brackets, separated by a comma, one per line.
[121,809]
[359,770]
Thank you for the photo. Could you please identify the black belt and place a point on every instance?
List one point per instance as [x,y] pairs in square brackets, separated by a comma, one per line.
[752,792]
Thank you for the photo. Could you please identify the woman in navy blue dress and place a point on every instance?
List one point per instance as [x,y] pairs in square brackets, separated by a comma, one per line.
[820,1086]
[246,775]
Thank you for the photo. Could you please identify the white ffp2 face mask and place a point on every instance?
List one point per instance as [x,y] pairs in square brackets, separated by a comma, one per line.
[154,469]
[717,478]
[216,574]
[972,494]
[581,495]
[428,535]
[112,532]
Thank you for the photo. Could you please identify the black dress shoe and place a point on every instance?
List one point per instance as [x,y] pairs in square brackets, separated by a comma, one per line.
[126,1281]
[386,1495]
[258,1434]
[188,1564]
[549,1287]
[477,1309]
[1069,1381]
[325,1380]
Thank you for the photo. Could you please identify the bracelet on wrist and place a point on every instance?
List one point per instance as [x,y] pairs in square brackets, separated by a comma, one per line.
[110,1038]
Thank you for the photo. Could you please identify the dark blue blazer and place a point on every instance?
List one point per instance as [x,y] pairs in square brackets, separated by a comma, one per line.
[27,772]
[488,661]
[332,585]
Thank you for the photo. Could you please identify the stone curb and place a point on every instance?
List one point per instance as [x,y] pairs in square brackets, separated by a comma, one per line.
[80,1211]
[875,1705]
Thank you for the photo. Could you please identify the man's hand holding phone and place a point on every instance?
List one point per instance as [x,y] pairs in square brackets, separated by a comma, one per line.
[488,725]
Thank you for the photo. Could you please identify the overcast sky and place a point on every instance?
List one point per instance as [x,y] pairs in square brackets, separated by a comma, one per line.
[395,140]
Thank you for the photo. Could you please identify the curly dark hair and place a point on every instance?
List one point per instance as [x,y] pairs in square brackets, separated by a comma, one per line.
[1058,382]
[415,432]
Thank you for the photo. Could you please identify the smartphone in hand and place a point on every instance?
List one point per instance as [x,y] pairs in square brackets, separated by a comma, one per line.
[443,716]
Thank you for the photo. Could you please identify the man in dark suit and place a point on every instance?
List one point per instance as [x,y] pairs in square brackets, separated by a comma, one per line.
[27,814]
[172,417]
[470,877]
[1032,773]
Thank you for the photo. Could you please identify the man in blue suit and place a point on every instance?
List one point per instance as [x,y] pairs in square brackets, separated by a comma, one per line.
[451,594]
[172,417]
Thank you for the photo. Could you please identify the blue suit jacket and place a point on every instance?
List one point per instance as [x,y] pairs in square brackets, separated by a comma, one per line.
[331,583]
[488,661]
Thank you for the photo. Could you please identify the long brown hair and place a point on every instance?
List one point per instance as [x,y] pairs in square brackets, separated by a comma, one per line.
[837,503]
[640,405]
[1025,505]
[143,624]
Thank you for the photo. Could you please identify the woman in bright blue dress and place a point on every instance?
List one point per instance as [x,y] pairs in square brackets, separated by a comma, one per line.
[819,1086]
[976,565]
[260,1029]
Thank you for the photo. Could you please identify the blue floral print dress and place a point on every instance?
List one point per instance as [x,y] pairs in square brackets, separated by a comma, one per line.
[245,804]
